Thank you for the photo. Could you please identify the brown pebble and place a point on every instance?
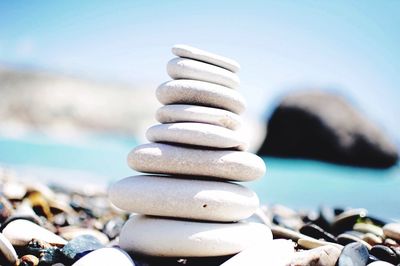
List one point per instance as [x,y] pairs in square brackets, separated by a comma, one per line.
[391,242]
[372,239]
[30,260]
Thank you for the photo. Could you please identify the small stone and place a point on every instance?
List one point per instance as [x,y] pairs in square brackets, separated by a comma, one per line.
[7,250]
[276,252]
[281,232]
[317,232]
[185,91]
[198,134]
[13,190]
[346,220]
[380,263]
[347,238]
[189,238]
[184,68]
[80,246]
[320,256]
[105,257]
[72,232]
[310,243]
[392,230]
[372,239]
[201,114]
[187,51]
[184,198]
[21,232]
[390,242]
[368,228]
[354,254]
[222,164]
[385,253]
[30,260]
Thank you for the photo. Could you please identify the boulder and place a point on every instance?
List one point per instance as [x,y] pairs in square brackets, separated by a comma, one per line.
[325,126]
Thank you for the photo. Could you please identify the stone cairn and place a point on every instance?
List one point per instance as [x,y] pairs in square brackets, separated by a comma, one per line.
[187,206]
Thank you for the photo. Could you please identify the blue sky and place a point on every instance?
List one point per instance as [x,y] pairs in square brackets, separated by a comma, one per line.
[351,47]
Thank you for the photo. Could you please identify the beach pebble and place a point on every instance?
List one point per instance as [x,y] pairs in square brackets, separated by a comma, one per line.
[193,113]
[346,220]
[187,51]
[184,68]
[198,134]
[368,228]
[349,237]
[317,232]
[170,159]
[105,257]
[180,238]
[310,243]
[392,230]
[385,253]
[21,232]
[7,250]
[372,239]
[185,91]
[184,198]
[276,252]
[320,256]
[30,260]
[354,254]
[80,246]
[282,232]
[380,263]
[71,232]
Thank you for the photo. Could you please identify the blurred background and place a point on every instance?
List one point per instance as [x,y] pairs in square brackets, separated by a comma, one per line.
[77,84]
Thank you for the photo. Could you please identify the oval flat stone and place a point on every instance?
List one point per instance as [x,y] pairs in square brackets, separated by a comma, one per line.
[169,159]
[326,255]
[193,113]
[354,254]
[380,263]
[368,228]
[183,68]
[385,253]
[184,198]
[185,91]
[182,238]
[198,134]
[392,230]
[187,51]
[20,232]
[7,250]
[105,257]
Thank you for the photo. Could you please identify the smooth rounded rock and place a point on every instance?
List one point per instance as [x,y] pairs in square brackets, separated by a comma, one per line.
[7,250]
[185,91]
[380,263]
[368,228]
[392,230]
[187,51]
[354,254]
[317,232]
[21,232]
[182,238]
[105,257]
[183,68]
[193,113]
[320,256]
[310,243]
[347,238]
[169,159]
[198,134]
[184,198]
[385,253]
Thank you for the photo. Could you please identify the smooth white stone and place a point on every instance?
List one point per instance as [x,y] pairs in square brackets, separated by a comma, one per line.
[180,238]
[184,198]
[186,91]
[380,263]
[8,250]
[105,257]
[70,232]
[170,159]
[276,252]
[198,134]
[392,230]
[184,68]
[20,232]
[193,113]
[187,51]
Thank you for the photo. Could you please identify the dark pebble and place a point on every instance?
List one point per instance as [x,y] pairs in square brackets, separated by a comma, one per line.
[80,246]
[354,254]
[348,237]
[346,220]
[317,232]
[385,253]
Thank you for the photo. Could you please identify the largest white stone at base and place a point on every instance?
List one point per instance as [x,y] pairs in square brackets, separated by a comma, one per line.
[156,236]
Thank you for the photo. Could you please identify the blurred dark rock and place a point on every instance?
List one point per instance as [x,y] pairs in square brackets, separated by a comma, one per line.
[325,126]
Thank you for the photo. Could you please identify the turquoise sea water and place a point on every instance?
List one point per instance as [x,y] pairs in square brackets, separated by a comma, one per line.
[300,184]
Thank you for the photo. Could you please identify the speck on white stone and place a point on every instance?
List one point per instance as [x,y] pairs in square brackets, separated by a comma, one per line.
[171,159]
[193,113]
[186,91]
[184,68]
[187,51]
[105,257]
[184,198]
[198,134]
[183,238]
[8,250]
[392,230]
[20,232]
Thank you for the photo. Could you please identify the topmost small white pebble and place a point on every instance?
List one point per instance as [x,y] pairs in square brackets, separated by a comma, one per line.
[187,51]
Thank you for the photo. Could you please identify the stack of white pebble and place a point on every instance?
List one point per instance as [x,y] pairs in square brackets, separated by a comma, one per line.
[188,206]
